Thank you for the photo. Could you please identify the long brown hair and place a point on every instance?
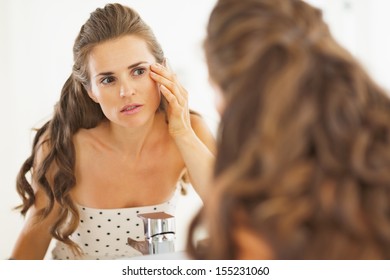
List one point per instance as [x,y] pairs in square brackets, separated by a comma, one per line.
[76,110]
[304,140]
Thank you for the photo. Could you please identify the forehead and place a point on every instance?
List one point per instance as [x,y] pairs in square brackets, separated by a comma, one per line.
[119,53]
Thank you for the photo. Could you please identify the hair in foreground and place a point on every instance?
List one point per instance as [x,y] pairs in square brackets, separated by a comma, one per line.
[76,110]
[304,141]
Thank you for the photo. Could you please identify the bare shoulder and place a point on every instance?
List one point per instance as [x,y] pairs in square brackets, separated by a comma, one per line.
[203,131]
[90,142]
[83,135]
[87,137]
[198,123]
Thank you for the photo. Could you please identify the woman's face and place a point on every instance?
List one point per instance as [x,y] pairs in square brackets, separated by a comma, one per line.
[120,81]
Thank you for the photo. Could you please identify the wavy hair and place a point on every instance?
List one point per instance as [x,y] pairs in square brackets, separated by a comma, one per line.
[76,110]
[304,140]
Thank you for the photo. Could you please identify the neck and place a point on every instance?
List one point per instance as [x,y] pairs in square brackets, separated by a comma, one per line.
[130,142]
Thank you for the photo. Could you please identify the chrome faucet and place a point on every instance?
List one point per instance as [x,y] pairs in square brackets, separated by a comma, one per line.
[159,230]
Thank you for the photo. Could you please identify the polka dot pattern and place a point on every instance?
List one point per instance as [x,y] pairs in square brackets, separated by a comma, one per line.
[103,233]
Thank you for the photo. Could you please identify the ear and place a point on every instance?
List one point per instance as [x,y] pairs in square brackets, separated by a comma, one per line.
[92,95]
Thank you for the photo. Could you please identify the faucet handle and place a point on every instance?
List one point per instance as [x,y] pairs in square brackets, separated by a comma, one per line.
[141,246]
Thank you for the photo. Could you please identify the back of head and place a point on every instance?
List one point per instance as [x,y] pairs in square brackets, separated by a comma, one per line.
[303,141]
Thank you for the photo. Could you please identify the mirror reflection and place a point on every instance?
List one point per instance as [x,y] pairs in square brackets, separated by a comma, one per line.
[131,132]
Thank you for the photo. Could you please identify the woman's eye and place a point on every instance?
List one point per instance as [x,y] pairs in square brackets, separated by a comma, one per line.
[107,80]
[139,71]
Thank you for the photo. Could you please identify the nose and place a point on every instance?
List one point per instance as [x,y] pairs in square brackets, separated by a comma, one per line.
[126,89]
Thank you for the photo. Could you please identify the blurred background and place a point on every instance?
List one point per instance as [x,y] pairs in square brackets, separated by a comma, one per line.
[36,58]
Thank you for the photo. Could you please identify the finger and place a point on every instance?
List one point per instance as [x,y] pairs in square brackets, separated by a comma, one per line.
[184,92]
[170,97]
[157,77]
[172,101]
[163,71]
[171,86]
[169,75]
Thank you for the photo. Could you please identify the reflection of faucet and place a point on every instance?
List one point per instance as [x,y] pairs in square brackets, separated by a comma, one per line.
[159,229]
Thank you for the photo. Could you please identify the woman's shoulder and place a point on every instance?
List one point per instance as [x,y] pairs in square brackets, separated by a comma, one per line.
[202,130]
[84,134]
[197,121]
[88,135]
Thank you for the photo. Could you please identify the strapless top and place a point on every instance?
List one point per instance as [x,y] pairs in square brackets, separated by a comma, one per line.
[103,233]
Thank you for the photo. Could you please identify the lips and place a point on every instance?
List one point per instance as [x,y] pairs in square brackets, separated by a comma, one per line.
[131,108]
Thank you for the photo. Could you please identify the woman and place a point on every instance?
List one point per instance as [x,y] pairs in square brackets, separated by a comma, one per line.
[303,153]
[119,141]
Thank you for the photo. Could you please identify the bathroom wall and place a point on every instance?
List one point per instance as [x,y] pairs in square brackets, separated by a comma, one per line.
[362,27]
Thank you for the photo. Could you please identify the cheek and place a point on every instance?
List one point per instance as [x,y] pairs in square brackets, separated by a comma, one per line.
[154,91]
[91,90]
[97,94]
[251,246]
[219,101]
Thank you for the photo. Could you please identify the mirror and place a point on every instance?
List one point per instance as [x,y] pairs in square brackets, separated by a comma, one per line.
[36,56]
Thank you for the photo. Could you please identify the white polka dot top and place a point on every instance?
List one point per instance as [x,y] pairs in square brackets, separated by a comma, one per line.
[103,233]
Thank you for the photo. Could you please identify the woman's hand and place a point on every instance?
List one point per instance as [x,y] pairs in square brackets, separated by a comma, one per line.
[190,133]
[177,97]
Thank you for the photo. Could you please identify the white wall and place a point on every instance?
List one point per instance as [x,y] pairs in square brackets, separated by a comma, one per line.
[362,27]
[36,57]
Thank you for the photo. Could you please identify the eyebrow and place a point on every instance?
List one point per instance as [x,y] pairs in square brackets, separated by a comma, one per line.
[130,67]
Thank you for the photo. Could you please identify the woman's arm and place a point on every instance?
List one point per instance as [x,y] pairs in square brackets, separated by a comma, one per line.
[197,147]
[191,134]
[35,237]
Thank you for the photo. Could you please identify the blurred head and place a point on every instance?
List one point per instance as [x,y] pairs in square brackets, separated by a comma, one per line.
[303,146]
